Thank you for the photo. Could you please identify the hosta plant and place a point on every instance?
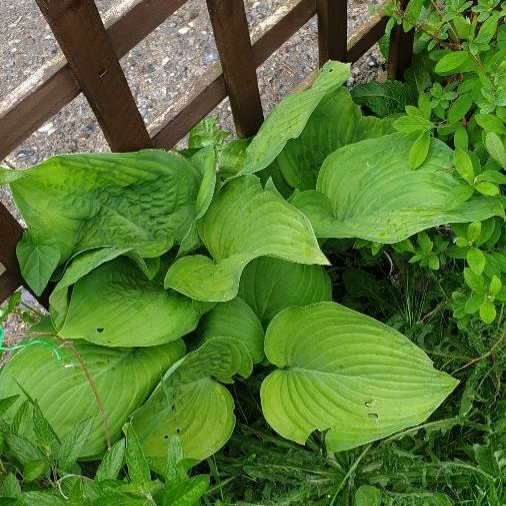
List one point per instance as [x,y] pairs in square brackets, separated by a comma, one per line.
[174,274]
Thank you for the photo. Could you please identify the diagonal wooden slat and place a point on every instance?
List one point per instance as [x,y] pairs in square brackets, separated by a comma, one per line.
[231,33]
[79,30]
[53,86]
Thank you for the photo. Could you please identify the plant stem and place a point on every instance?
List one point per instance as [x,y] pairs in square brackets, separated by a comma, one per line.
[484,356]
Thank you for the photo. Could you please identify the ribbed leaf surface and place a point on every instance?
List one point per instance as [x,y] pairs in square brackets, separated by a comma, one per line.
[343,371]
[243,223]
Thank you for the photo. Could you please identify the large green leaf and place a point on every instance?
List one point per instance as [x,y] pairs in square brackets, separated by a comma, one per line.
[367,190]
[115,305]
[190,402]
[244,222]
[123,379]
[235,319]
[144,201]
[270,285]
[336,122]
[343,371]
[289,118]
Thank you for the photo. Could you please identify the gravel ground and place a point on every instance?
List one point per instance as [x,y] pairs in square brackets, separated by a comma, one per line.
[158,69]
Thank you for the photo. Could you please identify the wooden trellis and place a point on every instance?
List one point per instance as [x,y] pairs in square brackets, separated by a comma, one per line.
[93,47]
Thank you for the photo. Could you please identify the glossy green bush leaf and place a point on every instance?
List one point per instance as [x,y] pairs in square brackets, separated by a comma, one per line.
[236,320]
[336,122]
[495,146]
[123,379]
[143,201]
[343,371]
[270,285]
[244,222]
[115,305]
[191,402]
[367,190]
[420,150]
[289,117]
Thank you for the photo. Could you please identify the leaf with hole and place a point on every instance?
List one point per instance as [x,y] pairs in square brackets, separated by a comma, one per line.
[192,402]
[367,191]
[341,371]
[123,379]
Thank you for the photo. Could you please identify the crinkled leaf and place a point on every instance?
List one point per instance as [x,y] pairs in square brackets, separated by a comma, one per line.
[289,118]
[244,222]
[123,379]
[345,372]
[235,319]
[115,305]
[270,285]
[190,401]
[144,201]
[367,190]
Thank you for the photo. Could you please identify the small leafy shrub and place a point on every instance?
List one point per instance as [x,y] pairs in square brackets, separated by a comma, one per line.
[456,91]
[172,274]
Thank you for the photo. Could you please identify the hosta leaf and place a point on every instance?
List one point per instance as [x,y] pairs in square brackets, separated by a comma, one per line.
[336,122]
[345,372]
[235,319]
[367,190]
[79,267]
[289,118]
[38,258]
[244,222]
[123,379]
[269,285]
[190,401]
[144,201]
[115,305]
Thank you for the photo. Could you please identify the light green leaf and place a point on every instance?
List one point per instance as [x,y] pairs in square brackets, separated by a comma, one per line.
[495,285]
[464,165]
[420,150]
[476,260]
[289,118]
[244,222]
[270,285]
[143,201]
[123,379]
[460,108]
[452,61]
[345,372]
[486,188]
[490,123]
[34,470]
[186,493]
[115,305]
[72,444]
[38,258]
[353,199]
[336,122]
[367,495]
[138,469]
[487,311]
[112,462]
[236,320]
[190,401]
[79,267]
[495,147]
[413,124]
